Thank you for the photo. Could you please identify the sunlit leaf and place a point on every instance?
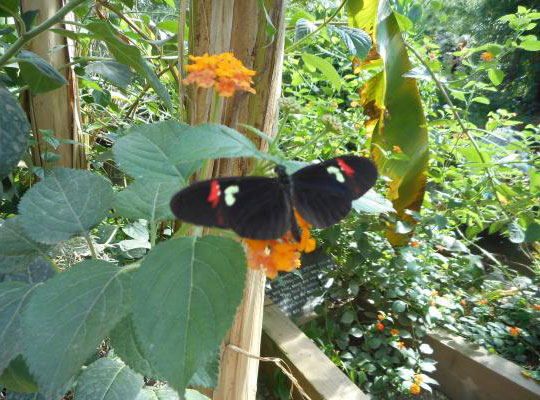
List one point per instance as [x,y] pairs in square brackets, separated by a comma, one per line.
[325,68]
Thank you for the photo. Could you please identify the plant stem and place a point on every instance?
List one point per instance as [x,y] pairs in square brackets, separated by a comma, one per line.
[28,36]
[305,38]
[91,246]
[491,179]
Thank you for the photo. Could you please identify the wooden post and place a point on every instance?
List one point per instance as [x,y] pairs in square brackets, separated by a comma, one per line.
[239,26]
[58,110]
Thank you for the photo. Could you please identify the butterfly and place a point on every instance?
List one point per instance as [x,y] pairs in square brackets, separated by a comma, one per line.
[257,207]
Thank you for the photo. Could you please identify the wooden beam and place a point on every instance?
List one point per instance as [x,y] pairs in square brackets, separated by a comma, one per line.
[317,375]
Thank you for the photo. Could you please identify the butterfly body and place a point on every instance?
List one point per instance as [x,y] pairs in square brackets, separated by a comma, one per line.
[263,208]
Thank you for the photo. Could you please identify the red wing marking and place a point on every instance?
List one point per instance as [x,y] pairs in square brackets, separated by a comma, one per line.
[213,197]
[345,167]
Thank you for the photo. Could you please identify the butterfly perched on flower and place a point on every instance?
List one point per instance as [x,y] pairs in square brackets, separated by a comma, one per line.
[262,208]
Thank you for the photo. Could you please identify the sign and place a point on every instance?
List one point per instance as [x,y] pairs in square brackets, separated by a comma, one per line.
[297,294]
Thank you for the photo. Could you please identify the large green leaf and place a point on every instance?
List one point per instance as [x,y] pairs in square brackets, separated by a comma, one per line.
[209,141]
[392,101]
[127,347]
[38,271]
[325,68]
[302,28]
[147,199]
[108,379]
[13,296]
[116,73]
[17,378]
[14,130]
[158,393]
[129,55]
[67,202]
[9,7]
[40,76]
[196,284]
[357,41]
[154,151]
[373,203]
[67,317]
[17,251]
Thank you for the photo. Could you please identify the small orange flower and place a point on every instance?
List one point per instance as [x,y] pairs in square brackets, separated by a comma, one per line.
[435,293]
[415,389]
[463,302]
[514,331]
[401,345]
[380,317]
[394,332]
[414,243]
[482,302]
[223,71]
[396,149]
[418,378]
[281,254]
[537,308]
[380,326]
[487,56]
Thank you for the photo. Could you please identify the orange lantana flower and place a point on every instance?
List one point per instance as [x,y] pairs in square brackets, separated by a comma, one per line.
[514,331]
[280,254]
[394,332]
[415,389]
[487,56]
[418,378]
[380,326]
[401,345]
[223,71]
[536,308]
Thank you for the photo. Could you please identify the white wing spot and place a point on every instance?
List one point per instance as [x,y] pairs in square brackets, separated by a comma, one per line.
[229,194]
[337,172]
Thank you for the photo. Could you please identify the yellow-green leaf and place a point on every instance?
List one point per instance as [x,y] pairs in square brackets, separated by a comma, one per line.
[392,101]
[325,67]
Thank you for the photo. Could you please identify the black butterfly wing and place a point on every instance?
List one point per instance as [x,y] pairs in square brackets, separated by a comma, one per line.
[253,207]
[323,193]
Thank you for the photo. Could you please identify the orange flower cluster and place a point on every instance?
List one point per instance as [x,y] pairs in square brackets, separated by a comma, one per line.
[380,326]
[536,308]
[514,331]
[401,345]
[396,149]
[394,332]
[487,56]
[415,387]
[223,71]
[281,254]
[482,302]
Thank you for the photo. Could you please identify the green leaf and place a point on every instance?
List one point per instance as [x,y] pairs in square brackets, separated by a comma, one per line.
[532,234]
[302,28]
[146,199]
[530,45]
[14,130]
[374,343]
[17,251]
[127,347]
[13,296]
[399,306]
[197,284]
[194,395]
[118,74]
[426,348]
[207,375]
[481,99]
[357,41]
[516,233]
[269,27]
[17,378]
[108,379]
[129,55]
[155,393]
[155,152]
[40,76]
[67,202]
[67,317]
[496,76]
[9,7]
[209,141]
[373,203]
[325,68]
